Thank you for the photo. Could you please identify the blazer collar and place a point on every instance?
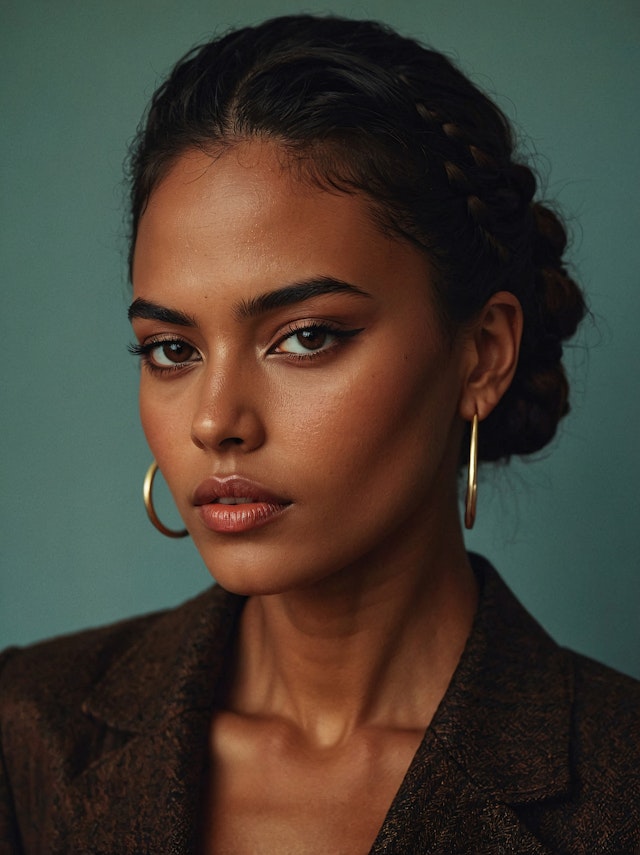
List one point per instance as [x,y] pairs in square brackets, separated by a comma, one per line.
[139,792]
[172,668]
[506,717]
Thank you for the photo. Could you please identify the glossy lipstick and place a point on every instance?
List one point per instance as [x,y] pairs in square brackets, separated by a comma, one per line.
[233,505]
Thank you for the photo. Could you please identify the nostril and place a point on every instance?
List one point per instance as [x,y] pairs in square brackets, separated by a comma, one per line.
[232,440]
[197,442]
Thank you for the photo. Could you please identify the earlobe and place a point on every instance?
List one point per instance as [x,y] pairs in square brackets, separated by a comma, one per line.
[494,344]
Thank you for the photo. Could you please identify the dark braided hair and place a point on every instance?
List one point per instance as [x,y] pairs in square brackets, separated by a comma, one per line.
[359,108]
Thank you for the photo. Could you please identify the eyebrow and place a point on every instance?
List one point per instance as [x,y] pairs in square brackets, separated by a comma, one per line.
[153,312]
[254,306]
[297,293]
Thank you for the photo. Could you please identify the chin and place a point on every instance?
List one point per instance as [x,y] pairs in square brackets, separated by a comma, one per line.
[253,575]
[250,583]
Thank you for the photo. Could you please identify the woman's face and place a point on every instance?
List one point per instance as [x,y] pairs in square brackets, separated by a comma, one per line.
[298,392]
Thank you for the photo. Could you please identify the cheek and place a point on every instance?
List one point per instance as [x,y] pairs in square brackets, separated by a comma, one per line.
[370,419]
[309,420]
[163,423]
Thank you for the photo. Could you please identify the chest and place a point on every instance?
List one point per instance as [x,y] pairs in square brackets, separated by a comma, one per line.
[267,791]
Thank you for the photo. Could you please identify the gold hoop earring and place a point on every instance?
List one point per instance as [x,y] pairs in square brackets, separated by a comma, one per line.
[151,511]
[472,477]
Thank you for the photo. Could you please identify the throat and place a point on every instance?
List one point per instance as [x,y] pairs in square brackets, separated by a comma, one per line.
[382,667]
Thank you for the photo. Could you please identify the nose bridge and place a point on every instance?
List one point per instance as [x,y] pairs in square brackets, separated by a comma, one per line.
[228,411]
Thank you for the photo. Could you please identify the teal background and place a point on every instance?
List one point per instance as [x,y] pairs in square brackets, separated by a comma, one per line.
[75,76]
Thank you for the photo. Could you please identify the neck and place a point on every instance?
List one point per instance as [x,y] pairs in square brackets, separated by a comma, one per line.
[368,647]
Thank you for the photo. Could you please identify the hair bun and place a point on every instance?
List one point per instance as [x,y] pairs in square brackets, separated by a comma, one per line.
[527,417]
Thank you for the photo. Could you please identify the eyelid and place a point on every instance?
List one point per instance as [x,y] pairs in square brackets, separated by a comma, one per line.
[148,344]
[145,348]
[330,327]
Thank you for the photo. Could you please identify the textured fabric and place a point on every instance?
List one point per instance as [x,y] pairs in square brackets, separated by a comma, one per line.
[532,750]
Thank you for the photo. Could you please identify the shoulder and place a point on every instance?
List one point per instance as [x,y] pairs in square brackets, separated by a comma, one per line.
[606,724]
[550,732]
[70,708]
[604,694]
[59,672]
[602,803]
[57,668]
[68,659]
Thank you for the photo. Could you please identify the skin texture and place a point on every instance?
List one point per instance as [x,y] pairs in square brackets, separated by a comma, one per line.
[362,580]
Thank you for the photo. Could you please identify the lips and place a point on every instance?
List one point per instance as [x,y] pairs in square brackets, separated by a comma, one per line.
[234,504]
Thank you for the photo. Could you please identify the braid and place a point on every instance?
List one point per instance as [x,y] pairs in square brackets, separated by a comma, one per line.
[495,190]
[529,238]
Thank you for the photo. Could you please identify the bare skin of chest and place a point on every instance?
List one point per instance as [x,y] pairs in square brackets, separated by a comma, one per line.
[269,792]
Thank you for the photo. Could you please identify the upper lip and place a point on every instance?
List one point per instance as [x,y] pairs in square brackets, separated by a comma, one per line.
[234,487]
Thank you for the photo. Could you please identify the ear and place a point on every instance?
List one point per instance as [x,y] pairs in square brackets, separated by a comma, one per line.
[493,344]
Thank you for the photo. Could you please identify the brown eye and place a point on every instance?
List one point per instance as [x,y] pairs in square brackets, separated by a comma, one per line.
[308,340]
[167,353]
[312,339]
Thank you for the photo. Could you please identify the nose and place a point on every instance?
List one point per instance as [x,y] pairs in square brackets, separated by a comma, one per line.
[228,412]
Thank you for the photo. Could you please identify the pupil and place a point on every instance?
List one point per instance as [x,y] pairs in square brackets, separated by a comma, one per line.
[312,339]
[175,351]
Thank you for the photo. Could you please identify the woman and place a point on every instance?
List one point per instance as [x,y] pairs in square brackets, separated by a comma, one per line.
[342,287]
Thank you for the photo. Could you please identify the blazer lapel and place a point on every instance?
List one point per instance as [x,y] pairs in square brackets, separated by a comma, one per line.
[140,792]
[506,718]
[499,740]
[442,812]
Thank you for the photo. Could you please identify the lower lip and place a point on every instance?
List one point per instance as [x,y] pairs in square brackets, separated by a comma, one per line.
[234,519]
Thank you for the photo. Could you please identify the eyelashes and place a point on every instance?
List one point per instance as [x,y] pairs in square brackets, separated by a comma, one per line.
[309,340]
[166,354]
[303,341]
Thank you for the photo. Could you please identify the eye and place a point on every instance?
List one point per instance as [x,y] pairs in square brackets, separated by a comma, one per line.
[166,354]
[308,340]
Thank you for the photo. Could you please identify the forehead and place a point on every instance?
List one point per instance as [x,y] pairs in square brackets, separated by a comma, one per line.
[244,185]
[244,217]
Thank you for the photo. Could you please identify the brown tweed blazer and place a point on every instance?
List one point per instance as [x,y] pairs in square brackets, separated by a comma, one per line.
[533,749]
